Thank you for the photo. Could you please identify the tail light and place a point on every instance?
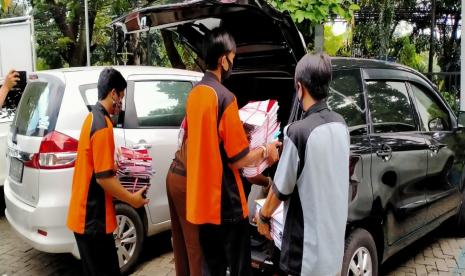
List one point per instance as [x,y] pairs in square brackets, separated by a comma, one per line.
[57,151]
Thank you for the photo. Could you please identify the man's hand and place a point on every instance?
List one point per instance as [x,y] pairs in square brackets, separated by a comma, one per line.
[263,228]
[138,200]
[273,152]
[11,79]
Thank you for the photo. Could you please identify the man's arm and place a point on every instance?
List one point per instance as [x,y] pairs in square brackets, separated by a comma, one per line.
[284,183]
[260,180]
[104,165]
[236,145]
[271,204]
[255,156]
[10,81]
[112,186]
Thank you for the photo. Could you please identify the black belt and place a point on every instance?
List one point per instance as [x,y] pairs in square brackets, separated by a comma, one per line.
[174,168]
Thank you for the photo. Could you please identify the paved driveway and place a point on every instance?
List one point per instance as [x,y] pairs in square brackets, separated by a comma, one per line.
[437,254]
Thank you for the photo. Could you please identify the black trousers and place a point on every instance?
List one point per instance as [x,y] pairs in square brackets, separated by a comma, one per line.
[226,246]
[98,254]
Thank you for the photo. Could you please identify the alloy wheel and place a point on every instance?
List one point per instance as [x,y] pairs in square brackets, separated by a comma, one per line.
[361,263]
[125,239]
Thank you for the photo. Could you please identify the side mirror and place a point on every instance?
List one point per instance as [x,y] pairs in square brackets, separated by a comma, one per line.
[461,119]
[436,124]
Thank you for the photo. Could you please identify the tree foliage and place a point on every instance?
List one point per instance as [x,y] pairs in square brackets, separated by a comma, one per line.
[377,20]
[60,29]
[317,12]
[408,55]
[308,13]
[336,45]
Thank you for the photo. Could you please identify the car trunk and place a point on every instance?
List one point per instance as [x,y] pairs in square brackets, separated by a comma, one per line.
[268,49]
[35,118]
[268,43]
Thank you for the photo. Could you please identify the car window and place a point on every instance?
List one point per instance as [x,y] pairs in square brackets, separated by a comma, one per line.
[160,103]
[38,109]
[433,116]
[390,107]
[91,96]
[346,98]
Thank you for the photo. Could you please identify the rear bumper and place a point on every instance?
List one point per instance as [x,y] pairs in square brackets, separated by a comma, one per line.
[46,216]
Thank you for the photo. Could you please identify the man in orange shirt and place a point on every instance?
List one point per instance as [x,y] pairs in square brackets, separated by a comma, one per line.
[91,213]
[217,148]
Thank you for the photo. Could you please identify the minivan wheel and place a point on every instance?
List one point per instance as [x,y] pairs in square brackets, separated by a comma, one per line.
[360,255]
[129,236]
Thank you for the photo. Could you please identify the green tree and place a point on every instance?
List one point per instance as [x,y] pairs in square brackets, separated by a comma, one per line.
[308,13]
[11,8]
[5,4]
[408,56]
[62,22]
[336,44]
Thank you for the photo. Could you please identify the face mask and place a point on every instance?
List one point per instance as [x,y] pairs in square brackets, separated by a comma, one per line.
[226,74]
[117,106]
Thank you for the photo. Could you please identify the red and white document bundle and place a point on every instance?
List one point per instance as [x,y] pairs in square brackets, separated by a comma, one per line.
[134,168]
[260,121]
[277,222]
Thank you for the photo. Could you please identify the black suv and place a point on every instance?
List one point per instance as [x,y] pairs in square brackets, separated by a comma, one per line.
[406,165]
[407,147]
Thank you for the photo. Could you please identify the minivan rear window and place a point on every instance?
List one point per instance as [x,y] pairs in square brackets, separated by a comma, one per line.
[38,109]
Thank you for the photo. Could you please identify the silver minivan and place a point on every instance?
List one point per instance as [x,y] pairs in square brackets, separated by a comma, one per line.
[42,145]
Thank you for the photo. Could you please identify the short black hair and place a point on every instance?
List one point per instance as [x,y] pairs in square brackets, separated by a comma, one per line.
[216,44]
[314,72]
[109,79]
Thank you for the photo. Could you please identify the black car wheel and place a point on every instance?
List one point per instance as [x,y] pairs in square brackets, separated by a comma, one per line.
[360,257]
[129,236]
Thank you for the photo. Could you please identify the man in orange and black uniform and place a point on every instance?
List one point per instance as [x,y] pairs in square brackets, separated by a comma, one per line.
[217,149]
[91,213]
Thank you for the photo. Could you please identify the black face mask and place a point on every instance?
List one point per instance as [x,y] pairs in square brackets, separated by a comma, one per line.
[226,74]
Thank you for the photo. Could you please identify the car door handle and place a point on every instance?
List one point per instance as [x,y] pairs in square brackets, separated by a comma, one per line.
[141,145]
[385,152]
[434,149]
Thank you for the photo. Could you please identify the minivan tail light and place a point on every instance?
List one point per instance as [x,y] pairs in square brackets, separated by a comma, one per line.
[57,151]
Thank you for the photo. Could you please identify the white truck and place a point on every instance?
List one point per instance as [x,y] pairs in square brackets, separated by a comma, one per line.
[17,44]
[17,52]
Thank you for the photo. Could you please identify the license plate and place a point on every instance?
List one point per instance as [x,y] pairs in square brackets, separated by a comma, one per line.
[16,169]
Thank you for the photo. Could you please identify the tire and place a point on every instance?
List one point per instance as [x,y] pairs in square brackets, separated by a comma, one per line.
[129,236]
[360,245]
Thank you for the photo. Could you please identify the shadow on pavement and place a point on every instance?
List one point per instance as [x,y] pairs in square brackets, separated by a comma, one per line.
[156,246]
[403,256]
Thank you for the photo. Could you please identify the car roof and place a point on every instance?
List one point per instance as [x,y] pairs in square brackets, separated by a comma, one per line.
[357,63]
[125,71]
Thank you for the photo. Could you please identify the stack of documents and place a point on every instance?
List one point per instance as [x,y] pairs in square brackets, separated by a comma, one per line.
[134,168]
[260,121]
[277,222]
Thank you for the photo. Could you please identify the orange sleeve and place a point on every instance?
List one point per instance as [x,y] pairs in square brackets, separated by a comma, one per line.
[103,153]
[232,133]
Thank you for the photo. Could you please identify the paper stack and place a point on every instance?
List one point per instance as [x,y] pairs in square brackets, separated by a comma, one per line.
[277,222]
[260,121]
[134,168]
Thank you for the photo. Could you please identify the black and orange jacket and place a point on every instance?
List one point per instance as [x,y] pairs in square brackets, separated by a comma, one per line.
[91,209]
[216,139]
